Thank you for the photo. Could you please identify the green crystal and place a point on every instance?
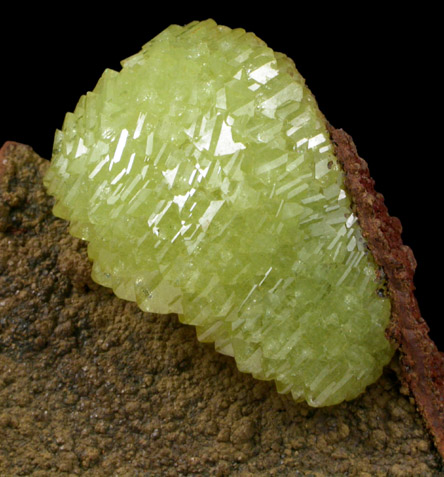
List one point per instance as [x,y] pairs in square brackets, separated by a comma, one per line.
[203,176]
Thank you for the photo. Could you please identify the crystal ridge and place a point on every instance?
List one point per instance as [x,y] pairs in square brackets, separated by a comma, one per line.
[204,179]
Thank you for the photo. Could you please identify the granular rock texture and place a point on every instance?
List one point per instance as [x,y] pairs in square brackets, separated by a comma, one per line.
[91,385]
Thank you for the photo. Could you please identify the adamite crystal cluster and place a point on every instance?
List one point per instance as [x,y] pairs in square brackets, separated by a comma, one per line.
[205,181]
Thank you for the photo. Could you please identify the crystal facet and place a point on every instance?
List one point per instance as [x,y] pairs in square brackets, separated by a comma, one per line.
[203,176]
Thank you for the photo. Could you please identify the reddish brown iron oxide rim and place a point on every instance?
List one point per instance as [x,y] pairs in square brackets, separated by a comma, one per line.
[422,364]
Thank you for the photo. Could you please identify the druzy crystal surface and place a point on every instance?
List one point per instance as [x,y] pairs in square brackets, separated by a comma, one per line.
[204,179]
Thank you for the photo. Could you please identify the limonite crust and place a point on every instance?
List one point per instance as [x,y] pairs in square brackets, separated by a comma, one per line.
[422,364]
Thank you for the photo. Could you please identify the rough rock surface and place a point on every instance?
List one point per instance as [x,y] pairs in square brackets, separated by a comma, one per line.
[90,385]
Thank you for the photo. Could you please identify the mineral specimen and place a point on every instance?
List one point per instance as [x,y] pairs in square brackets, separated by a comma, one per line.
[205,181]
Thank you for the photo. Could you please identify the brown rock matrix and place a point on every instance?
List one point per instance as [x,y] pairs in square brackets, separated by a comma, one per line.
[92,386]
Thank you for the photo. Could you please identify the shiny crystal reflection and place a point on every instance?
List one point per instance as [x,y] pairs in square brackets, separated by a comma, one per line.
[205,181]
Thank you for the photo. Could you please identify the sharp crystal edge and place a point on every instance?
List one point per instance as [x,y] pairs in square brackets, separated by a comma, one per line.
[204,179]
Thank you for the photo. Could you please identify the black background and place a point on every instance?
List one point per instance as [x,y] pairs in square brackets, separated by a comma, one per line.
[375,72]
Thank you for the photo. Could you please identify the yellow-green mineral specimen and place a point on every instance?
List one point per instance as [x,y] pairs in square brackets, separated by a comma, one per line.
[204,179]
